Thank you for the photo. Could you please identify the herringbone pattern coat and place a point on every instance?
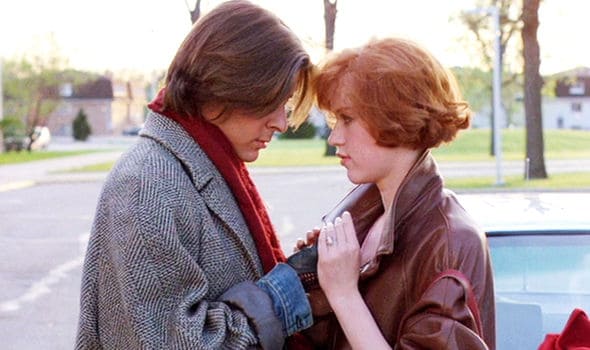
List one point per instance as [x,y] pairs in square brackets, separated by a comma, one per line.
[167,241]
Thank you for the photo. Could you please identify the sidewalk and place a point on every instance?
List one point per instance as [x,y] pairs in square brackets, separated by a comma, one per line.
[22,175]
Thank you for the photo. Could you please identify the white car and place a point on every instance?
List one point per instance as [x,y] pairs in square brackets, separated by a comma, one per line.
[540,247]
[41,138]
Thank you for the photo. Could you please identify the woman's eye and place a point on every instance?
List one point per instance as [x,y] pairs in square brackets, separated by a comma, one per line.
[346,119]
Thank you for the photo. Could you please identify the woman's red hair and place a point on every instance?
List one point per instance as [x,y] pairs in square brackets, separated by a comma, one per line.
[400,90]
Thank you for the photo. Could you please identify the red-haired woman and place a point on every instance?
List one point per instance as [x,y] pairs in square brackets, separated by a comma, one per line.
[408,284]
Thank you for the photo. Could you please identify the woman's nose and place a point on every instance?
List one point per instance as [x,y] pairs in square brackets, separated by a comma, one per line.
[335,137]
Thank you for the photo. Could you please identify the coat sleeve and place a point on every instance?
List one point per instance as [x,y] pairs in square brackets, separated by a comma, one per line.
[441,319]
[152,290]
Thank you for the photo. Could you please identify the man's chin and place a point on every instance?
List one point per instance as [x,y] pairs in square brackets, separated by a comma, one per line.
[249,157]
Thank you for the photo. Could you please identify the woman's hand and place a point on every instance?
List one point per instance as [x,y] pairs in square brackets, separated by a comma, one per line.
[338,271]
[339,259]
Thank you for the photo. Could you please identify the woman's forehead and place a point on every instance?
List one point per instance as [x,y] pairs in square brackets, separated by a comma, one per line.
[341,95]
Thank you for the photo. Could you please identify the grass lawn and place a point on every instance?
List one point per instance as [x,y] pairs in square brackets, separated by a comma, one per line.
[25,156]
[471,145]
[564,181]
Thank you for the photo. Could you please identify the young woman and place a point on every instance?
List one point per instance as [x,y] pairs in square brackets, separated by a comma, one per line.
[407,284]
[182,254]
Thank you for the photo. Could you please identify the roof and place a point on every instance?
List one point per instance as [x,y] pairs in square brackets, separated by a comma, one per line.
[101,88]
[528,211]
[575,72]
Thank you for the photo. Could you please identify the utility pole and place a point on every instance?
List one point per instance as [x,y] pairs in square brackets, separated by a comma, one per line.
[1,93]
[494,11]
[1,109]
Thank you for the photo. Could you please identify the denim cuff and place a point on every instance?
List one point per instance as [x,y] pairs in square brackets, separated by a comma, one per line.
[258,307]
[289,300]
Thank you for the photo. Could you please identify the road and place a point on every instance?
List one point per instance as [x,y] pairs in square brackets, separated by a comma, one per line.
[45,219]
[44,230]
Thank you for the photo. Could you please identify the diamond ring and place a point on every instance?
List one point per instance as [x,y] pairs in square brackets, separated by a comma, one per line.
[329,241]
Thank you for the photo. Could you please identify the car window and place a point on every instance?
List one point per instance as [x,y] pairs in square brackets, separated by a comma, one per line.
[552,271]
[549,264]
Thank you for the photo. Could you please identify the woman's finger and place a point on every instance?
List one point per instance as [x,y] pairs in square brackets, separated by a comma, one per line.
[348,228]
[339,230]
[321,242]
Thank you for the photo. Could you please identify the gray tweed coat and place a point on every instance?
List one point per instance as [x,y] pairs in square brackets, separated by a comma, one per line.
[167,242]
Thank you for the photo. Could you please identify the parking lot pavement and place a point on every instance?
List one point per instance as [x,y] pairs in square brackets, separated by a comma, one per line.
[104,149]
[16,176]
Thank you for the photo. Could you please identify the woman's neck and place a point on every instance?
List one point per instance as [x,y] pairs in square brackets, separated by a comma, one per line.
[390,184]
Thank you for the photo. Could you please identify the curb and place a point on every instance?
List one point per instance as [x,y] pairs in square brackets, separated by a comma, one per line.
[18,185]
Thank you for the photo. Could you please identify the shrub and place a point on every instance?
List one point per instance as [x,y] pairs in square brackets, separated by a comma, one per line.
[14,136]
[306,131]
[80,126]
[12,126]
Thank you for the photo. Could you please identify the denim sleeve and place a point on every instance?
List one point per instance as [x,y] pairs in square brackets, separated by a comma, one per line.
[289,300]
[258,306]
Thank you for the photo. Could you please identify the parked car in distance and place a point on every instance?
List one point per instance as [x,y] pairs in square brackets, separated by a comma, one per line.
[540,248]
[132,130]
[41,137]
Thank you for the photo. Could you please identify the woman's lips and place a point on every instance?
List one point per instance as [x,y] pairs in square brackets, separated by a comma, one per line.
[343,158]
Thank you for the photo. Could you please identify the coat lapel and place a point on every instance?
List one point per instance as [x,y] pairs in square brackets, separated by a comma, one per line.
[206,178]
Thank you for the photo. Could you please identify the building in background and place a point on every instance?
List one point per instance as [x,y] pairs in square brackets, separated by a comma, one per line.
[570,108]
[111,105]
[567,108]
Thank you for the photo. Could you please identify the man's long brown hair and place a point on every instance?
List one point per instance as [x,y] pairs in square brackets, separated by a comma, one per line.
[242,57]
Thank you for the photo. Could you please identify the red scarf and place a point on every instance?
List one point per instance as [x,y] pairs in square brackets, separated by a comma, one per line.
[219,149]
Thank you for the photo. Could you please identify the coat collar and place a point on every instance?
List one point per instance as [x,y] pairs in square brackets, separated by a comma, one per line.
[203,174]
[420,190]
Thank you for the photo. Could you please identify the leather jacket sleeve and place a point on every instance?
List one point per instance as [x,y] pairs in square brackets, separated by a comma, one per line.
[441,319]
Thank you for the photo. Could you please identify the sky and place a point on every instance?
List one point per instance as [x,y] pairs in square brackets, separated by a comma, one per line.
[143,35]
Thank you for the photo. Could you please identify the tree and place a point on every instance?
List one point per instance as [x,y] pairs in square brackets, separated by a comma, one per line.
[31,84]
[195,13]
[81,127]
[480,25]
[533,84]
[330,10]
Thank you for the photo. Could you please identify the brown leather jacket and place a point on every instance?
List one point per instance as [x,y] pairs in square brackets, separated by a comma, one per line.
[429,232]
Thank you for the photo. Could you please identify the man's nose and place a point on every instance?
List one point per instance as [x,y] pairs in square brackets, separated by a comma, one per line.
[278,121]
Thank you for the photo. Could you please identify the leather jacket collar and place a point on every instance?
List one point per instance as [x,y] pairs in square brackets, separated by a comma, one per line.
[420,190]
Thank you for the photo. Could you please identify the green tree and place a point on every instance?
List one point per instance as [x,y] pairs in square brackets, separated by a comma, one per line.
[31,84]
[481,27]
[81,127]
[305,131]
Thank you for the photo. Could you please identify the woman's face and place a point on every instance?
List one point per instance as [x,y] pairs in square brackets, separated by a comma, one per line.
[249,134]
[364,160]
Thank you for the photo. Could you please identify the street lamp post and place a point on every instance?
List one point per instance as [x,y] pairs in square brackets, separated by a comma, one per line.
[1,93]
[494,11]
[1,109]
